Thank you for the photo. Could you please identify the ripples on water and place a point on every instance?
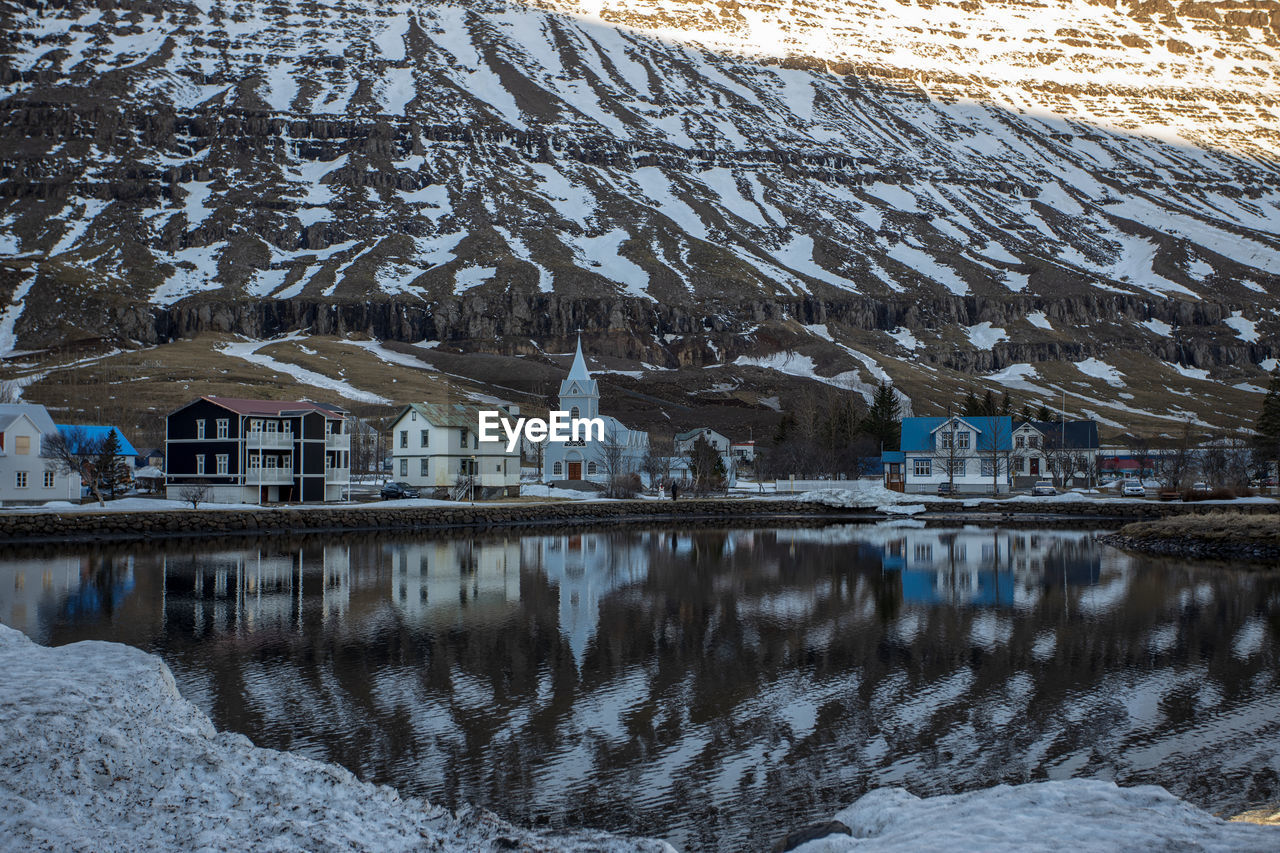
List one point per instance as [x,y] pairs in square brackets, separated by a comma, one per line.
[716,688]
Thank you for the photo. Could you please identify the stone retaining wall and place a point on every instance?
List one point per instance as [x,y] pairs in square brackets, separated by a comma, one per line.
[154,524]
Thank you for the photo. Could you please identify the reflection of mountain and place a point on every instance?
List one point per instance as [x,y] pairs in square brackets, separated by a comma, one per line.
[715,687]
[985,567]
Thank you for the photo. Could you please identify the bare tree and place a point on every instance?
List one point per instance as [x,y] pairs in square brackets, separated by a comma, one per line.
[194,494]
[658,462]
[996,448]
[953,454]
[72,451]
[611,459]
[10,391]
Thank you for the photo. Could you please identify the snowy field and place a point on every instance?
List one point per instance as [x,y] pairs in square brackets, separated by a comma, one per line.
[98,751]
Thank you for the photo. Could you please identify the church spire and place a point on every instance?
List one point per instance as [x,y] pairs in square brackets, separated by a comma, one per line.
[579,369]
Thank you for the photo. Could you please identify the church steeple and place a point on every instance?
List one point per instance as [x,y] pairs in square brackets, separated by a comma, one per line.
[579,369]
[578,390]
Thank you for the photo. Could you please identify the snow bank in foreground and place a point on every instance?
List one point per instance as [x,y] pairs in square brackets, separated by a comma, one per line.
[1077,814]
[98,751]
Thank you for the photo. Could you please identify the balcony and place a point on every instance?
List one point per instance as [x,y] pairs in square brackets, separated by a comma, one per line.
[269,477]
[269,439]
[338,440]
[337,475]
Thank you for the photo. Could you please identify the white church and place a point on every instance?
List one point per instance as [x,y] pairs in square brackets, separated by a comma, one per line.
[586,459]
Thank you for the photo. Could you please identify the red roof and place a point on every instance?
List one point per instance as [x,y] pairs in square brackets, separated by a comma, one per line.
[275,408]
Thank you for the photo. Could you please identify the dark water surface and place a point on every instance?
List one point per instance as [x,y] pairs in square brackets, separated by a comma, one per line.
[713,687]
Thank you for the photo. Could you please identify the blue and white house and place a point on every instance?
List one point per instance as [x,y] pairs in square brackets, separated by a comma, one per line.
[587,459]
[968,452]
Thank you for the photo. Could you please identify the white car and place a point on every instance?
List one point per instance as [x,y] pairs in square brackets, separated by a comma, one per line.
[1043,488]
[1134,490]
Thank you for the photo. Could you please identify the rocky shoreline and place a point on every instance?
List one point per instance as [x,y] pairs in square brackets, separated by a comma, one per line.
[1194,548]
[81,525]
[1217,536]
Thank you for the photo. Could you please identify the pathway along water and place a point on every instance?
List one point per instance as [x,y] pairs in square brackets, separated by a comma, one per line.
[714,687]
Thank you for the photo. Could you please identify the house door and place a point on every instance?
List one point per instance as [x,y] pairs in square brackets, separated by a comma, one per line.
[575,470]
[1035,466]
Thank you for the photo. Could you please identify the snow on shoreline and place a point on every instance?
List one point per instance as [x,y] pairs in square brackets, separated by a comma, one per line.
[99,751]
[1039,817]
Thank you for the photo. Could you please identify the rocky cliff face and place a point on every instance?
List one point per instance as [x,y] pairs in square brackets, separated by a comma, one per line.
[1067,191]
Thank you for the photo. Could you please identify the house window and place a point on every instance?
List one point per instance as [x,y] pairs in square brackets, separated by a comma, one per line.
[21,479]
[574,413]
[200,429]
[556,469]
[959,467]
[464,433]
[273,462]
[425,438]
[48,479]
[200,459]
[286,426]
[1035,441]
[22,445]
[423,465]
[223,426]
[255,462]
[591,467]
[988,468]
[222,463]
[404,438]
[404,466]
[273,427]
[255,425]
[1020,441]
[944,440]
[923,468]
[962,440]
[498,467]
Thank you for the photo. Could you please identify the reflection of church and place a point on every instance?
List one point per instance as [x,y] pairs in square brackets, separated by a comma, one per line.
[586,459]
[984,567]
[586,568]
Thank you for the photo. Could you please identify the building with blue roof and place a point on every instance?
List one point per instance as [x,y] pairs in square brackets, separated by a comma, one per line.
[75,433]
[960,455]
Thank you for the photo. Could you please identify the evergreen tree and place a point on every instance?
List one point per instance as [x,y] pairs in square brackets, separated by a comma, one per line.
[1268,425]
[988,404]
[1025,414]
[1044,414]
[1006,405]
[883,421]
[108,466]
[972,407]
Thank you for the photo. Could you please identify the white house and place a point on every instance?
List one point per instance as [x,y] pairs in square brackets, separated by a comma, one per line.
[590,458]
[743,451]
[25,475]
[433,446]
[1047,449]
[684,443]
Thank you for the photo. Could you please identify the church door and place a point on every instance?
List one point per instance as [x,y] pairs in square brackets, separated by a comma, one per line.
[575,470]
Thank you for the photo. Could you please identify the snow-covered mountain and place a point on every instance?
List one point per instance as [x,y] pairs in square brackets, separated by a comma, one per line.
[1052,196]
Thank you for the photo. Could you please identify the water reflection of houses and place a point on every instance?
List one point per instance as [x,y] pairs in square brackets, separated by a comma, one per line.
[449,575]
[585,568]
[78,587]
[256,589]
[983,567]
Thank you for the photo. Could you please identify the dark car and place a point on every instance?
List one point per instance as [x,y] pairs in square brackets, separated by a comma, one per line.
[946,489]
[392,491]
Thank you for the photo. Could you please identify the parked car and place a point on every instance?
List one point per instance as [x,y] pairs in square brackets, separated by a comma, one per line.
[1134,490]
[1043,488]
[392,491]
[1200,486]
[946,489]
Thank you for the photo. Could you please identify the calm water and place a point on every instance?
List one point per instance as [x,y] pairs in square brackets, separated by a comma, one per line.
[713,687]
